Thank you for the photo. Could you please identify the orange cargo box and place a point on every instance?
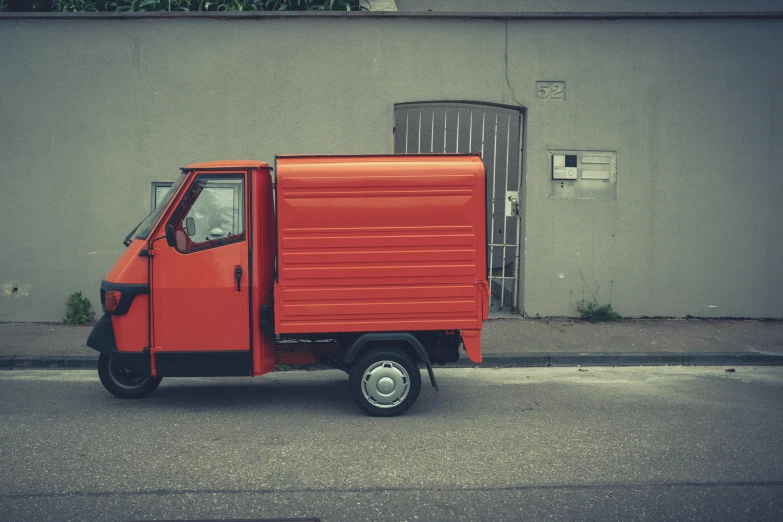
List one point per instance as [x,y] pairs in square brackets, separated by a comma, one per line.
[380,243]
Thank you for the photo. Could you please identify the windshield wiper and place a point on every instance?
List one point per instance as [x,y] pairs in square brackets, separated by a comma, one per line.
[128,239]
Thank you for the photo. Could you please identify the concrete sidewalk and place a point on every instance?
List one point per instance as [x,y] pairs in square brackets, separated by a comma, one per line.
[515,342]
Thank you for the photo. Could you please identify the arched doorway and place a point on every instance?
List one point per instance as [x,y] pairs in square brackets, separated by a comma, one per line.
[497,131]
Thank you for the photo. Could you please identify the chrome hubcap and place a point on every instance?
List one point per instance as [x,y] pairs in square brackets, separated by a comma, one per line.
[385,384]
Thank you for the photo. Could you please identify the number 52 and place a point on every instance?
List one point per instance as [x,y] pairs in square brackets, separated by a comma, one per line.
[551,90]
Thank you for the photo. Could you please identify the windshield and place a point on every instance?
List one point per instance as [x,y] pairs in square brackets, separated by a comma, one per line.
[146,225]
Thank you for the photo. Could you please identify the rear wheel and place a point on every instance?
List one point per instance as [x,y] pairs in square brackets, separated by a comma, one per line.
[385,381]
[123,381]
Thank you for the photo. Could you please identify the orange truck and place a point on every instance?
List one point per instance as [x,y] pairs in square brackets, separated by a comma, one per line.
[371,264]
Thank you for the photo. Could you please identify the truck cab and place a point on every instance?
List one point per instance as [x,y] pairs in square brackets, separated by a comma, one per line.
[377,262]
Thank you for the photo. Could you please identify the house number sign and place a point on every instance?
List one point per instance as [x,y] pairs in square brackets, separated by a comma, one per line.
[550,90]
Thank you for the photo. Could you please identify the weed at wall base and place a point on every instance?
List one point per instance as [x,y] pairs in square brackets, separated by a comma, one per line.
[591,311]
[595,313]
[78,310]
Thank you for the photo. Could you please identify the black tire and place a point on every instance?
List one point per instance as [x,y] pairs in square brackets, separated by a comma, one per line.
[124,382]
[385,381]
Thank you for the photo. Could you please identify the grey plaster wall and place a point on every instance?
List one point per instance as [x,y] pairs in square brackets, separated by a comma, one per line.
[693,110]
[91,112]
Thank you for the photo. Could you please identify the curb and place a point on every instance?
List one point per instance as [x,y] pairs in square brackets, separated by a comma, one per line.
[61,362]
[526,360]
[627,359]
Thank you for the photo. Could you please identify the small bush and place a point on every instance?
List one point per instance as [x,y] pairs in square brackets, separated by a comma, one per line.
[79,310]
[592,312]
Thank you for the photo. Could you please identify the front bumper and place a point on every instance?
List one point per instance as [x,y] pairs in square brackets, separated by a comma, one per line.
[102,336]
[102,339]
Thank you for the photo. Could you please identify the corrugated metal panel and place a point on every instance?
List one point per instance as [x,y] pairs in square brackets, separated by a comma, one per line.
[379,243]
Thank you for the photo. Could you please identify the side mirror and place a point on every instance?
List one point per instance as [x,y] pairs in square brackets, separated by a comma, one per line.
[190,226]
[170,239]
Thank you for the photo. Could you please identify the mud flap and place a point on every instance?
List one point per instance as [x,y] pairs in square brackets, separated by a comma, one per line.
[432,375]
[472,341]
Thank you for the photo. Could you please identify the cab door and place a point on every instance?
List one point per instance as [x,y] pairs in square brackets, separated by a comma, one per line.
[199,286]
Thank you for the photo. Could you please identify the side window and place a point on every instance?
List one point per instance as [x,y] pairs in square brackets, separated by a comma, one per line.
[159,189]
[216,215]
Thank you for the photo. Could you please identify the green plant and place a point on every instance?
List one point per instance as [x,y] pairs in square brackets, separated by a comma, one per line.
[236,5]
[149,5]
[26,6]
[73,6]
[170,5]
[79,310]
[314,5]
[591,311]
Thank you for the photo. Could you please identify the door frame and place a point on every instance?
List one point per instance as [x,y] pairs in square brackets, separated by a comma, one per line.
[204,363]
[518,306]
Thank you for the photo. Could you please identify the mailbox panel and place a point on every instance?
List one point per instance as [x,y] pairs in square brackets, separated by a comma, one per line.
[583,174]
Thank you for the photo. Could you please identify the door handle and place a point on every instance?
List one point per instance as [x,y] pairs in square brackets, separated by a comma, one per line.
[238,276]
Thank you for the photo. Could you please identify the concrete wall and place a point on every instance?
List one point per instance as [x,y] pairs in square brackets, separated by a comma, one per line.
[92,111]
[693,110]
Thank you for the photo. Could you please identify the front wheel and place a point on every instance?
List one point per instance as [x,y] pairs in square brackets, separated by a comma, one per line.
[385,382]
[123,381]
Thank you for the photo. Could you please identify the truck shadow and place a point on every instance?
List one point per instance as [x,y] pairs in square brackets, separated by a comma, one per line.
[326,392]
[288,393]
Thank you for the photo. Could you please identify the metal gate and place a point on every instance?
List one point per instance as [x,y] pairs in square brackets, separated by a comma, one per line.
[497,132]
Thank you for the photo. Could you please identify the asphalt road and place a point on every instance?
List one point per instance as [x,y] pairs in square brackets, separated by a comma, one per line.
[670,443]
